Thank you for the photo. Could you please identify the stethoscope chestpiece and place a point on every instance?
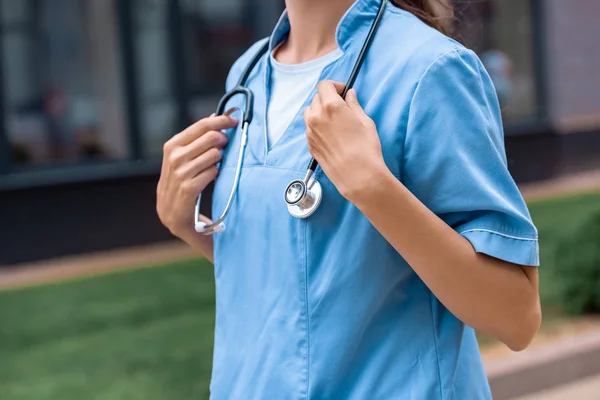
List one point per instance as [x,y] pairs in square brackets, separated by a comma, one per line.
[302,198]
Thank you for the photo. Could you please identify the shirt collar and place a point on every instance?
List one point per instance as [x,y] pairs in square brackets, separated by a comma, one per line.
[357,20]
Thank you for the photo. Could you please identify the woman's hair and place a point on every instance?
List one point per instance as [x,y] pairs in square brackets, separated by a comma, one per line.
[438,14]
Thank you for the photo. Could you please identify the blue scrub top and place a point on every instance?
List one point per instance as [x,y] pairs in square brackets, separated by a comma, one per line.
[325,308]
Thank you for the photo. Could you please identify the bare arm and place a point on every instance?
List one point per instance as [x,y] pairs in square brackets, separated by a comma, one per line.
[491,295]
[200,243]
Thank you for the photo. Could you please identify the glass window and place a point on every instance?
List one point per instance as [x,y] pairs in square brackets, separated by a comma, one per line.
[215,34]
[61,75]
[210,35]
[154,64]
[501,32]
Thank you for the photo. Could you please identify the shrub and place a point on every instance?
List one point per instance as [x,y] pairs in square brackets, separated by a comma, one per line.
[578,269]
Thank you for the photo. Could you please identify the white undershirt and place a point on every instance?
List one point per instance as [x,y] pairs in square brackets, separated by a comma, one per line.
[291,84]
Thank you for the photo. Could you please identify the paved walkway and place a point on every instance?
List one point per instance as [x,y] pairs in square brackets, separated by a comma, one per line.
[92,264]
[582,182]
[585,389]
[554,359]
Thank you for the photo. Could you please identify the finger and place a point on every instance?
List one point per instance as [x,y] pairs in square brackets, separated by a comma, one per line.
[313,147]
[211,139]
[307,117]
[313,113]
[339,87]
[206,220]
[199,164]
[316,106]
[228,112]
[203,126]
[353,103]
[200,181]
[231,111]
[329,95]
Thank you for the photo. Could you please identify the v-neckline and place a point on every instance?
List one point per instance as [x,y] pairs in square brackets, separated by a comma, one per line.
[286,135]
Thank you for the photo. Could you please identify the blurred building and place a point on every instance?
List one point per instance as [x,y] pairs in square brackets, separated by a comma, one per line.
[91,89]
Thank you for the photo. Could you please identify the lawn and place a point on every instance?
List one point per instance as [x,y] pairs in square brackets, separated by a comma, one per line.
[138,335]
[147,334]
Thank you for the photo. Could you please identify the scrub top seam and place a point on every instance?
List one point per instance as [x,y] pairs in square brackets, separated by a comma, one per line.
[500,234]
[535,255]
[486,113]
[417,87]
[267,87]
[306,309]
[396,10]
[435,343]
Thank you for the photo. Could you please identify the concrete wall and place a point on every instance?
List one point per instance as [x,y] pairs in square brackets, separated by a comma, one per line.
[572,32]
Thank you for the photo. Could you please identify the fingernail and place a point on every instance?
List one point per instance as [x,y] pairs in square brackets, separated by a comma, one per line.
[234,120]
[230,111]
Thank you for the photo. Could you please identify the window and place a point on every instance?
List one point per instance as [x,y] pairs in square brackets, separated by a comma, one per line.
[501,32]
[154,68]
[184,50]
[61,80]
[215,34]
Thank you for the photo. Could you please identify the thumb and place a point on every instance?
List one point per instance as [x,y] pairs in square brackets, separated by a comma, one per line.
[352,101]
[339,86]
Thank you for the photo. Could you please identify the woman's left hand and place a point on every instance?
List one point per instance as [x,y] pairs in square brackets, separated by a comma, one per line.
[343,139]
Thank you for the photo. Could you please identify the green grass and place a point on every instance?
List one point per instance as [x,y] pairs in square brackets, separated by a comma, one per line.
[144,334]
[147,334]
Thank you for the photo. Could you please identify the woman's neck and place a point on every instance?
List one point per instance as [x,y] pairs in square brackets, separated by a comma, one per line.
[313,25]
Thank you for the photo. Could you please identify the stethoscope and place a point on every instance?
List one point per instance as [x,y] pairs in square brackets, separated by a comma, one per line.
[302,196]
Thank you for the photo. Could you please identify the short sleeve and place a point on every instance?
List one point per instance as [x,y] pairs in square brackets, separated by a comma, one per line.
[455,160]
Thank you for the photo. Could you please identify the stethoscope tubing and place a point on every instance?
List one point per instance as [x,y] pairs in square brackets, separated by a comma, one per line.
[204,203]
[241,88]
[218,225]
[312,166]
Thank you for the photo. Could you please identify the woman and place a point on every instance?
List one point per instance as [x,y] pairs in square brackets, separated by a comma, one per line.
[421,236]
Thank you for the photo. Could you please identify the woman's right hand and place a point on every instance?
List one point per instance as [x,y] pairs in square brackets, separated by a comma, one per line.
[189,165]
